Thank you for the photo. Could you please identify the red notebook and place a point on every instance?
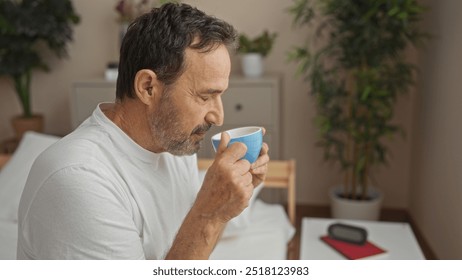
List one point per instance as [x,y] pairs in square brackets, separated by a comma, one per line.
[353,251]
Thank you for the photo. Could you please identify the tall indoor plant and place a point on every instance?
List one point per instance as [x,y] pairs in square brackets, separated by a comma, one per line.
[356,77]
[253,51]
[26,28]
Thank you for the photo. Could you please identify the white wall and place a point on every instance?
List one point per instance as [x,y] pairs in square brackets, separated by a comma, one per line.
[436,193]
[96,43]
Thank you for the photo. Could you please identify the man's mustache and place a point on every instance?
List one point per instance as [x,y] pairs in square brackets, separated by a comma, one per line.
[201,128]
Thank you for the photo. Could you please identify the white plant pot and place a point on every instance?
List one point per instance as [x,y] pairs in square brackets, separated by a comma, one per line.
[252,65]
[342,208]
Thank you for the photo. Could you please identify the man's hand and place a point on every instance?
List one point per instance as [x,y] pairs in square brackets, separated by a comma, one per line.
[225,193]
[228,184]
[259,168]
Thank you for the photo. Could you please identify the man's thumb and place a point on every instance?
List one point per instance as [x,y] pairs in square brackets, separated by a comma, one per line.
[223,142]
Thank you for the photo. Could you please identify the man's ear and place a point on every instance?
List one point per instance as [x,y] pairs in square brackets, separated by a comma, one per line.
[147,87]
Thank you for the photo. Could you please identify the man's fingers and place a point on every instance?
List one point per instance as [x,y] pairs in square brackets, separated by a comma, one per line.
[243,166]
[263,158]
[234,152]
[248,180]
[264,148]
[223,142]
[259,170]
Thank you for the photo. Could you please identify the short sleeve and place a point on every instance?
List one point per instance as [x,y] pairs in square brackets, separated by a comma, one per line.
[80,214]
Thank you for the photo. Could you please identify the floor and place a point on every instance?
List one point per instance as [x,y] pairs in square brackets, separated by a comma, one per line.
[390,215]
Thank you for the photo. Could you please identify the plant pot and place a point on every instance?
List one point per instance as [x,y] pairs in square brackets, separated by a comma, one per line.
[343,208]
[252,65]
[22,124]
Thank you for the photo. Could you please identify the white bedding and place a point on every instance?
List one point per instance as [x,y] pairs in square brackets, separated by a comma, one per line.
[262,231]
[265,238]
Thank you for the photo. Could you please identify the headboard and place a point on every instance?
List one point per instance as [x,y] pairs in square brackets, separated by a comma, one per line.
[281,174]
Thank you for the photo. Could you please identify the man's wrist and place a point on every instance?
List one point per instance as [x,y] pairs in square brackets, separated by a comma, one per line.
[197,236]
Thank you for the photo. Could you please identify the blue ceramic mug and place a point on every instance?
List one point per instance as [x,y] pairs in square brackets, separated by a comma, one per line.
[251,136]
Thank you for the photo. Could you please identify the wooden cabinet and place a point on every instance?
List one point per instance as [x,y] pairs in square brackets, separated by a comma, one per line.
[247,102]
[85,95]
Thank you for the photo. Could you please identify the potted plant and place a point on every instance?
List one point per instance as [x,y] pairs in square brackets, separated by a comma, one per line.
[253,51]
[128,10]
[26,28]
[356,77]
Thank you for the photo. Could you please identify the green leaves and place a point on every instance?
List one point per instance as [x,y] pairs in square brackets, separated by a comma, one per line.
[24,25]
[302,11]
[358,74]
[303,57]
[261,44]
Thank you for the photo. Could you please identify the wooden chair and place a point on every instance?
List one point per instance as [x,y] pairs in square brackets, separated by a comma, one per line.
[281,174]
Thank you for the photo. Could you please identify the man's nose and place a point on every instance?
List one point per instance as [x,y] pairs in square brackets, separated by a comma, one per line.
[216,115]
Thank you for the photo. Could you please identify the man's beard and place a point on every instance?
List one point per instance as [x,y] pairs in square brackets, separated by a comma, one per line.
[166,128]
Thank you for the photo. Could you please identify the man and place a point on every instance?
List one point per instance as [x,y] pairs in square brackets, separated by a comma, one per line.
[125,184]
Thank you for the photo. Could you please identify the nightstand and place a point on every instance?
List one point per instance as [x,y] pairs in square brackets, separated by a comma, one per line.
[397,239]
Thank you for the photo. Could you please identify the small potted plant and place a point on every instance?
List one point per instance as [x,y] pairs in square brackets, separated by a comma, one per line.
[356,78]
[253,51]
[26,27]
[128,10]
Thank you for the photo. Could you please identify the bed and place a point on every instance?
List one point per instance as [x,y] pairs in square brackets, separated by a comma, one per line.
[262,231]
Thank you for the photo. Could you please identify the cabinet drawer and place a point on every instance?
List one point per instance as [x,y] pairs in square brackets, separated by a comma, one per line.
[248,105]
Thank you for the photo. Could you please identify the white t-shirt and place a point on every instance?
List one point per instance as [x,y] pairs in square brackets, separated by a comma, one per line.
[96,194]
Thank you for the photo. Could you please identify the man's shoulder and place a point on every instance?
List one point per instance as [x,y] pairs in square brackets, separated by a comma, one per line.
[72,150]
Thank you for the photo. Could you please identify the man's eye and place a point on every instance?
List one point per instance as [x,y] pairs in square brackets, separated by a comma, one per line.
[205,97]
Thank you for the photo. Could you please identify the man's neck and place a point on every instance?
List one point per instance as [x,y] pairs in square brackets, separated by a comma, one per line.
[132,117]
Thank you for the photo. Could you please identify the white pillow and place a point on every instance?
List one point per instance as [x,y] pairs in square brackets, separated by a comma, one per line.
[239,223]
[14,174]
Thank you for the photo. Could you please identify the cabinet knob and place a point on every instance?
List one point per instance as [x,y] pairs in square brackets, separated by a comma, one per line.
[238,107]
